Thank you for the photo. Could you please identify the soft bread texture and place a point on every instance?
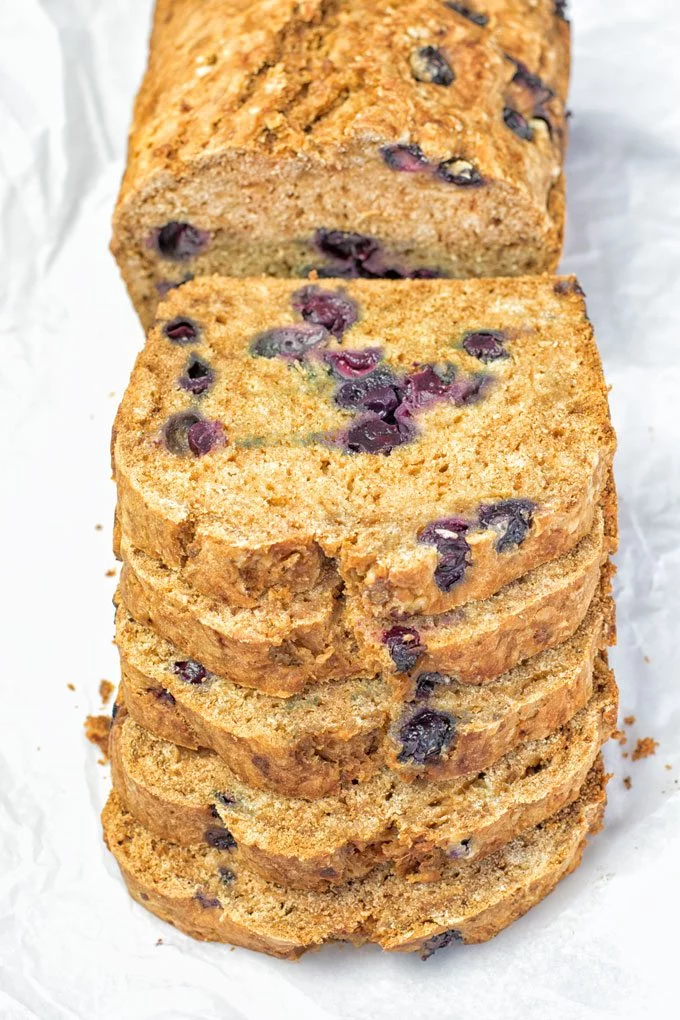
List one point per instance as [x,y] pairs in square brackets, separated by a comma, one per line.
[191,797]
[321,636]
[259,123]
[314,743]
[473,899]
[280,506]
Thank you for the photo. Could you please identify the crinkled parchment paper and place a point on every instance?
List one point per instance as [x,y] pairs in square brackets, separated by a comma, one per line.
[72,945]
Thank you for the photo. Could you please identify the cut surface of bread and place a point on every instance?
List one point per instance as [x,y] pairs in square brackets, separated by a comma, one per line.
[263,131]
[322,635]
[472,901]
[192,797]
[312,744]
[431,443]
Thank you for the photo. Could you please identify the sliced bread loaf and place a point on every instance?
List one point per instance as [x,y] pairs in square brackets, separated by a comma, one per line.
[192,797]
[474,900]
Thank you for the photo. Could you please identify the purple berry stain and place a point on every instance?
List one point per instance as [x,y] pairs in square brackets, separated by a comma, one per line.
[424,736]
[197,377]
[510,518]
[181,331]
[291,342]
[354,364]
[176,431]
[205,436]
[409,159]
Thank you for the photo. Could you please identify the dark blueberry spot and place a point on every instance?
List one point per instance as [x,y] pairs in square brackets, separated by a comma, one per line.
[425,274]
[542,93]
[332,309]
[427,682]
[460,850]
[459,171]
[176,431]
[375,392]
[518,124]
[114,710]
[561,9]
[160,694]
[198,376]
[427,386]
[144,896]
[467,12]
[448,537]
[441,941]
[289,341]
[227,876]
[485,345]
[511,518]
[425,735]
[430,65]
[569,287]
[205,436]
[345,245]
[354,364]
[215,813]
[408,159]
[225,799]
[375,435]
[190,671]
[180,241]
[403,644]
[207,902]
[219,838]
[181,331]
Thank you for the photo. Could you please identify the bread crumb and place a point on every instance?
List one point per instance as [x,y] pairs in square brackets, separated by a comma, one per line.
[620,737]
[629,720]
[97,732]
[71,687]
[105,691]
[668,766]
[627,782]
[159,942]
[98,527]
[645,747]
[625,754]
[110,573]
[646,658]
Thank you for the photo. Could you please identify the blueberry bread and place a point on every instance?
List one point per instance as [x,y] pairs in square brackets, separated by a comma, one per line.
[397,138]
[427,442]
[314,743]
[192,888]
[192,797]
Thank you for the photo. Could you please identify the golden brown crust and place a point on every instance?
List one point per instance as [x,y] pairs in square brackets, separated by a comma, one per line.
[175,795]
[252,118]
[266,514]
[476,899]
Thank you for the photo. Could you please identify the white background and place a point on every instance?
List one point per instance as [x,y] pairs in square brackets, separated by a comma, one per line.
[72,945]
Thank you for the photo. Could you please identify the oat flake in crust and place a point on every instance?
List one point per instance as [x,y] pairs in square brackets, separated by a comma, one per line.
[191,797]
[484,399]
[395,138]
[472,901]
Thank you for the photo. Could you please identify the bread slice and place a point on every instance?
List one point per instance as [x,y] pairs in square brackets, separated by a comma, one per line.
[192,797]
[312,744]
[487,395]
[260,129]
[320,636]
[472,901]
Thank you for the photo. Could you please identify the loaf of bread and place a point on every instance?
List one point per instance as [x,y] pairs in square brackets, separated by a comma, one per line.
[473,900]
[396,138]
[428,442]
[312,744]
[192,797]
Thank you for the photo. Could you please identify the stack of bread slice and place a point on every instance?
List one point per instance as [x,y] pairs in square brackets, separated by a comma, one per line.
[364,608]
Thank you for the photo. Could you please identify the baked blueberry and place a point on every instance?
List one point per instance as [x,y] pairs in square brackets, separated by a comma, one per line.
[219,838]
[190,671]
[440,941]
[425,735]
[429,64]
[459,171]
[477,18]
[225,799]
[569,287]
[333,309]
[485,345]
[448,538]
[427,386]
[344,245]
[372,434]
[227,876]
[179,241]
[403,644]
[205,436]
[354,364]
[207,902]
[561,9]
[518,124]
[408,159]
[160,694]
[427,682]
[377,391]
[289,341]
[176,431]
[523,76]
[181,330]
[197,377]
[511,519]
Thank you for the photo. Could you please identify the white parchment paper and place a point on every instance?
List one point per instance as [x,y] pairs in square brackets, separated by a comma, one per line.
[72,945]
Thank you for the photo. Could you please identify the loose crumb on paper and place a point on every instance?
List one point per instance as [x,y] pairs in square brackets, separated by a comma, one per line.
[105,691]
[645,747]
[627,782]
[97,732]
[620,737]
[71,687]
[629,720]
[111,573]
[99,527]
